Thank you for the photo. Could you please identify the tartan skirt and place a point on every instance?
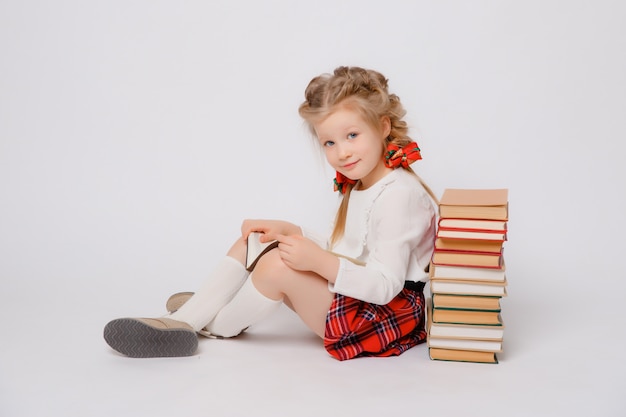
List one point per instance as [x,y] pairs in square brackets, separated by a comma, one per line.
[356,328]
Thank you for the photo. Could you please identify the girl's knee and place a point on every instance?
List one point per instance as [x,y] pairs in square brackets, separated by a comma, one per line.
[269,274]
[238,250]
[270,264]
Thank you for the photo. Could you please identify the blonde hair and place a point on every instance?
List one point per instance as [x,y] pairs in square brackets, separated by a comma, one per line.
[366,92]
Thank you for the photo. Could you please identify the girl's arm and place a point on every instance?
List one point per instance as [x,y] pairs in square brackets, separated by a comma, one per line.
[400,240]
[303,254]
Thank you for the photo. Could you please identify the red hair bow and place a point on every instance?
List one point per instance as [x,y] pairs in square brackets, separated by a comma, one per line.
[397,156]
[341,182]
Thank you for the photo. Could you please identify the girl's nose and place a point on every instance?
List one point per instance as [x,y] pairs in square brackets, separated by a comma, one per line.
[344,151]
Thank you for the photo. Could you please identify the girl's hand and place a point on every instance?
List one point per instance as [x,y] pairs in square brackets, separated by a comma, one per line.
[271,229]
[302,254]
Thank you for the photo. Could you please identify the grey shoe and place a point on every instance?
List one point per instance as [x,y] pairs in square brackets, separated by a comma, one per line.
[151,338]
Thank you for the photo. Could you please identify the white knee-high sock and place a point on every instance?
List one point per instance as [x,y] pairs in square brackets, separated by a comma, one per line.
[220,287]
[248,307]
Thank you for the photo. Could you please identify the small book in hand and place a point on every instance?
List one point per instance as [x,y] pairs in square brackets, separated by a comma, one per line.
[256,249]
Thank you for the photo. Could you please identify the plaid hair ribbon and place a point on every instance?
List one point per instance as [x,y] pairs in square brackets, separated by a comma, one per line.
[397,156]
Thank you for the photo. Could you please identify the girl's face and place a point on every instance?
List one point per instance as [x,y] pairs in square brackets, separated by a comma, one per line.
[353,147]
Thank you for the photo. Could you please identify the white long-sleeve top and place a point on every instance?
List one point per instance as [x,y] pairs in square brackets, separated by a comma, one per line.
[390,227]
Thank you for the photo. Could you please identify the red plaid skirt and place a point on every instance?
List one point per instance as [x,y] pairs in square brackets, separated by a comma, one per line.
[355,328]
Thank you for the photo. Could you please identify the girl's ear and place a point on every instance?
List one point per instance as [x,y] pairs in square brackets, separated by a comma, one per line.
[385,124]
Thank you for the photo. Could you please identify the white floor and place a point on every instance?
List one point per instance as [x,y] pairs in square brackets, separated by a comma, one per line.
[558,361]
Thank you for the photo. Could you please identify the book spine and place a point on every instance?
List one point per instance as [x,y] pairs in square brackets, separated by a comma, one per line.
[466,317]
[447,223]
[472,235]
[466,273]
[468,252]
[466,263]
[460,248]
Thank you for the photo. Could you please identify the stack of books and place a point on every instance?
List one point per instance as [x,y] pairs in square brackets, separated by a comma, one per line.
[467,276]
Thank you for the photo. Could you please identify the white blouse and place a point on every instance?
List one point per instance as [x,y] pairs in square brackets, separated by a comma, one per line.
[390,226]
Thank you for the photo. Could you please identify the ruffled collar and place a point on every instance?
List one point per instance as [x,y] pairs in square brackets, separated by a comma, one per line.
[354,241]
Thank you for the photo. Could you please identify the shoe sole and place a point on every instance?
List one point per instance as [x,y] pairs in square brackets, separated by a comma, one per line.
[136,339]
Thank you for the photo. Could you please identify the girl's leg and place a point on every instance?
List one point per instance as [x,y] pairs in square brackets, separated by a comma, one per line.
[271,283]
[248,307]
[220,287]
[306,292]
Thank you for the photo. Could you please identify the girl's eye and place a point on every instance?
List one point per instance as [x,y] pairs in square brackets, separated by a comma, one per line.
[352,135]
[329,143]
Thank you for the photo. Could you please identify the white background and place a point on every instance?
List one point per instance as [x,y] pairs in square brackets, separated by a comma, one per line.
[136,135]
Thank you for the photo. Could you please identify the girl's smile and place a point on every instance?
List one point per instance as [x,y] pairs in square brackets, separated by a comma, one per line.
[350,165]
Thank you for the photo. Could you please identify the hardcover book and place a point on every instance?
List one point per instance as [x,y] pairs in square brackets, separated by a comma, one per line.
[467,273]
[468,245]
[457,316]
[466,331]
[475,234]
[464,287]
[476,259]
[486,204]
[458,355]
[466,302]
[473,224]
[465,344]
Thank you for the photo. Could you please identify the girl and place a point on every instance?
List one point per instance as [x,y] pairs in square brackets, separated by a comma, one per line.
[369,300]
